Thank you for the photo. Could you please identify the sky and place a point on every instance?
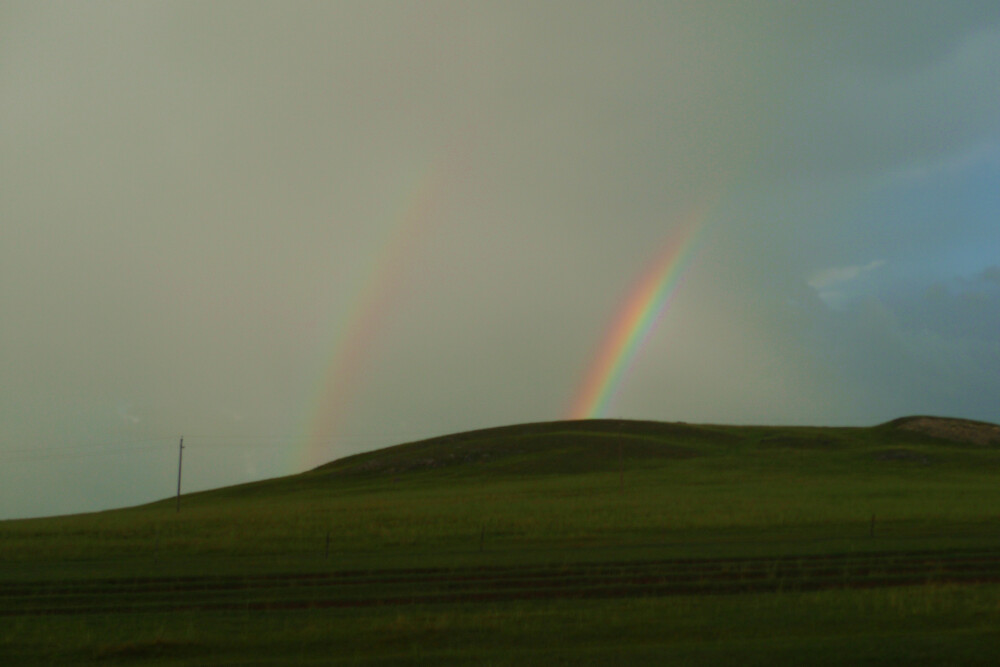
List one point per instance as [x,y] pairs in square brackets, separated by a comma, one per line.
[292,231]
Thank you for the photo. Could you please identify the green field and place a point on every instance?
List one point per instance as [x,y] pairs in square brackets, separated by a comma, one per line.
[589,542]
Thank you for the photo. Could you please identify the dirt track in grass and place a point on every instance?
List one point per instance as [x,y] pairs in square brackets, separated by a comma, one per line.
[345,589]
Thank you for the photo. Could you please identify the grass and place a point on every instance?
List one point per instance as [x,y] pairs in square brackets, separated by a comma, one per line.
[936,625]
[575,543]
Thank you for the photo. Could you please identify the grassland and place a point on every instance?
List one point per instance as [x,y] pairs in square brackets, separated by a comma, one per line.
[567,542]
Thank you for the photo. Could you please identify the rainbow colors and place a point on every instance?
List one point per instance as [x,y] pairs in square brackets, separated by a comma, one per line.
[342,374]
[631,327]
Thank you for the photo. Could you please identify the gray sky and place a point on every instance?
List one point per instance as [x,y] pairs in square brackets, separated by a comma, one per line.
[215,216]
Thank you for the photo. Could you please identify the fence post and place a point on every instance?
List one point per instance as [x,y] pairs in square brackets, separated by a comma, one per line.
[621,469]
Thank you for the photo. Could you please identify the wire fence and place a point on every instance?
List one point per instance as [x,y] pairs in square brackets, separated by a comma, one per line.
[322,550]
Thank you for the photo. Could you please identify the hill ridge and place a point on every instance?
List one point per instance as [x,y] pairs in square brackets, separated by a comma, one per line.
[565,440]
[594,444]
[953,429]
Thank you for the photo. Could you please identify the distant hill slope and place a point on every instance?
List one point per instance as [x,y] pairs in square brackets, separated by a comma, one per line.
[596,444]
[561,446]
[946,428]
[610,445]
[605,445]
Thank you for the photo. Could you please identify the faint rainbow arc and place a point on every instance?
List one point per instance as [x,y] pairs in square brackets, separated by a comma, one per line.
[636,318]
[342,372]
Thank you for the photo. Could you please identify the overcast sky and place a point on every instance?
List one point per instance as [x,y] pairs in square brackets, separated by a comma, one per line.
[215,216]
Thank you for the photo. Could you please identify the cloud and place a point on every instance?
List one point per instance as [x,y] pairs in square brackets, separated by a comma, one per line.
[990,275]
[921,355]
[832,285]
[984,154]
[127,414]
[834,276]
[853,117]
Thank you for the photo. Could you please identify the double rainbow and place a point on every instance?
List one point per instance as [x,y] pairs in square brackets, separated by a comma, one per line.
[643,307]
[645,304]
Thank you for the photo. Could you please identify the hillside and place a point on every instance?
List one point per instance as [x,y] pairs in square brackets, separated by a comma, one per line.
[607,446]
[602,444]
[545,447]
[953,430]
[553,483]
[543,535]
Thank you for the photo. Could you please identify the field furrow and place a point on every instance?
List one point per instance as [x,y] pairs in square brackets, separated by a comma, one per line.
[496,584]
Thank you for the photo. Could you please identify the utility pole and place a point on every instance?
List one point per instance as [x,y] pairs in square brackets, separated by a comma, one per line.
[180,460]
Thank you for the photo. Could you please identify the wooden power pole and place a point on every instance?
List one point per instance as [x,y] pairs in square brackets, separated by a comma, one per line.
[180,460]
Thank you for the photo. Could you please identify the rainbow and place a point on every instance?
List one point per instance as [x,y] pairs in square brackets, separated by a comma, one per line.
[646,302]
[352,343]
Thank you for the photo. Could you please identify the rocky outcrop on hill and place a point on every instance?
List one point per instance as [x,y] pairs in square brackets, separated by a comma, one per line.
[955,430]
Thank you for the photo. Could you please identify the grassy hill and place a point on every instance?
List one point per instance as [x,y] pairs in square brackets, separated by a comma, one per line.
[546,484]
[531,541]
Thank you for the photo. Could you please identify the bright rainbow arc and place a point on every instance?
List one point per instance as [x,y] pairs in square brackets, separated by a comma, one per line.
[342,373]
[646,303]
